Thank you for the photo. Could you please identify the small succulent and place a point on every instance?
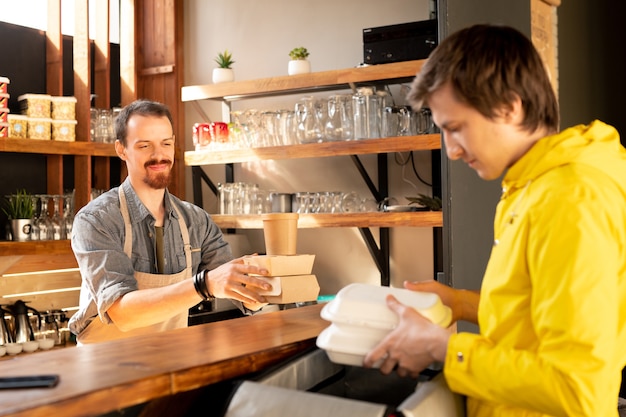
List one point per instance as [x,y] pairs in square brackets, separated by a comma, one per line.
[224,59]
[298,53]
[433,203]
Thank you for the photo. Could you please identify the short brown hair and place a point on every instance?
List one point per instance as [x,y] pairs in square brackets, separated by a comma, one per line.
[143,108]
[487,65]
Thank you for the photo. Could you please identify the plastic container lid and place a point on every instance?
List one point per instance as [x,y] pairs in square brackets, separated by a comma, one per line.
[5,80]
[365,305]
[34,96]
[64,98]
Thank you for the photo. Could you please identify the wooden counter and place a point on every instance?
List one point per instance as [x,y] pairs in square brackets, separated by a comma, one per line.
[95,379]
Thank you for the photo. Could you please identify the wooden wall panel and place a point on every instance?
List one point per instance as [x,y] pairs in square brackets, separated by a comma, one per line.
[43,291]
[33,263]
[159,68]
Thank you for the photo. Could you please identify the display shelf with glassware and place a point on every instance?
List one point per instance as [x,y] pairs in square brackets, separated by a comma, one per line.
[362,140]
[299,84]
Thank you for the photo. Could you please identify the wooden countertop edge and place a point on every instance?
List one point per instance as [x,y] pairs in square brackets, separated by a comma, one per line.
[99,378]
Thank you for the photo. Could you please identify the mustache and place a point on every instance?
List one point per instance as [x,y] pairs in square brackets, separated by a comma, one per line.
[157,162]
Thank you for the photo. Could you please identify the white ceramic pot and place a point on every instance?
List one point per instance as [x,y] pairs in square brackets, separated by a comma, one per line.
[299,66]
[223,75]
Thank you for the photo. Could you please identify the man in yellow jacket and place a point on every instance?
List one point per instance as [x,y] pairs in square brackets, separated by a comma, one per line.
[552,307]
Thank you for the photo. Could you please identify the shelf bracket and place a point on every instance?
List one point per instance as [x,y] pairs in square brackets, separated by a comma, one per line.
[197,176]
[381,254]
[368,180]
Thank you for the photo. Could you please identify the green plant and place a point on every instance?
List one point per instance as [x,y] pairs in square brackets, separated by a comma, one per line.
[433,203]
[298,53]
[19,205]
[224,59]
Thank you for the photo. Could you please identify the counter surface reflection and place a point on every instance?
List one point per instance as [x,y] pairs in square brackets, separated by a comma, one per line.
[95,379]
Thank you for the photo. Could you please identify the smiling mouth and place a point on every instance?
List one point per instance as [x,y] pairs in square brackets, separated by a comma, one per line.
[158,165]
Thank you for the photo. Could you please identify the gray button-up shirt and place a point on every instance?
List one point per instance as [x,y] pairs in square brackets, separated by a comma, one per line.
[98,244]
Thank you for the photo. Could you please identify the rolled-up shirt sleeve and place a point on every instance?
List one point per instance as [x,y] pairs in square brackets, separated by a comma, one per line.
[107,272]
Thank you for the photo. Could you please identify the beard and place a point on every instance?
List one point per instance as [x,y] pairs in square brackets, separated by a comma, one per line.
[159,180]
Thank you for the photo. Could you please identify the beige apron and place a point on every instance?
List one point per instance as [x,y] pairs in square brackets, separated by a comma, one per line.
[97,331]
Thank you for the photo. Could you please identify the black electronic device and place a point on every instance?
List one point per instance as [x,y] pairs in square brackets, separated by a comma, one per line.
[401,42]
[29,381]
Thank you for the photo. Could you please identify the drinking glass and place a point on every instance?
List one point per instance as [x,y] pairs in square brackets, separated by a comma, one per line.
[424,122]
[269,128]
[304,202]
[202,136]
[253,127]
[309,129]
[287,127]
[333,125]
[351,202]
[238,130]
[367,113]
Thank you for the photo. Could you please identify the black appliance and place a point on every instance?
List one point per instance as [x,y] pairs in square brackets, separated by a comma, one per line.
[401,42]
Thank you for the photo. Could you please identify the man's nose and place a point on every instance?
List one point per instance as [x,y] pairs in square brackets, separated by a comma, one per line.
[453,150]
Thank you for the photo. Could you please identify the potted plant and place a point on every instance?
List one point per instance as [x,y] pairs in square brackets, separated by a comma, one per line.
[430,203]
[19,210]
[299,63]
[224,72]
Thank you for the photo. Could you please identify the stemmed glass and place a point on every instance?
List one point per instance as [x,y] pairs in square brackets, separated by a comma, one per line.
[58,224]
[35,231]
[43,221]
[68,214]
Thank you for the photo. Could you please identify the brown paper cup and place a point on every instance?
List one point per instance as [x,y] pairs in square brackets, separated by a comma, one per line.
[281,233]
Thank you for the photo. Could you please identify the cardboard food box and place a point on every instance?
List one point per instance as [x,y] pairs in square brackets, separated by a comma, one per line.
[39,128]
[18,126]
[63,107]
[292,289]
[64,130]
[283,265]
[35,105]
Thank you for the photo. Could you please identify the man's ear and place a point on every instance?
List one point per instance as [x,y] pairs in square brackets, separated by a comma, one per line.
[120,150]
[512,112]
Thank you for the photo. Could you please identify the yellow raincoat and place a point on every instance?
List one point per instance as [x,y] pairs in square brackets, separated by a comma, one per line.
[552,311]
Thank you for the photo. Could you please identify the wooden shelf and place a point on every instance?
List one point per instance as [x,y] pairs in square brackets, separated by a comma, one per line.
[311,221]
[51,147]
[35,247]
[397,72]
[314,150]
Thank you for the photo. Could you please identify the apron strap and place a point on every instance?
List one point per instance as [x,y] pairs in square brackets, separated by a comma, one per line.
[185,232]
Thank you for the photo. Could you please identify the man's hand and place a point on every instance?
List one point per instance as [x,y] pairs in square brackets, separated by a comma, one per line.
[413,345]
[463,303]
[234,280]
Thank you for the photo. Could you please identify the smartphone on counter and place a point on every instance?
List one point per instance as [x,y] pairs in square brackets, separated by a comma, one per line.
[29,381]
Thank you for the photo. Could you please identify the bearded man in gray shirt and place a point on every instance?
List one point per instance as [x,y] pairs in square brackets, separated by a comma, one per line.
[145,256]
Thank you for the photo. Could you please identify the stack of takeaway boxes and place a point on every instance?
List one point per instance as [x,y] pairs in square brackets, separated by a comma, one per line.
[43,117]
